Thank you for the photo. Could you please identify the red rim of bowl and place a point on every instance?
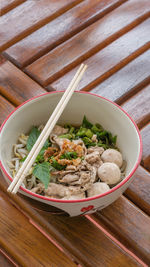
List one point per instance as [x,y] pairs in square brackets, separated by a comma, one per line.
[79,200]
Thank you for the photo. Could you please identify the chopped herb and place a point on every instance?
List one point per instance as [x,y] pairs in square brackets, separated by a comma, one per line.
[84,132]
[42,172]
[71,130]
[114,139]
[103,145]
[107,138]
[86,123]
[81,132]
[69,155]
[99,126]
[56,165]
[67,136]
[88,142]
[96,129]
[89,133]
[110,136]
[67,125]
[40,156]
[107,141]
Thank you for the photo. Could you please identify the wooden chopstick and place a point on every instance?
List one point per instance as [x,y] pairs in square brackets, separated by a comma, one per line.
[17,181]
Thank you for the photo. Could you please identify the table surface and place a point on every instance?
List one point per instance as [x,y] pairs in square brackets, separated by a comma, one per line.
[42,43]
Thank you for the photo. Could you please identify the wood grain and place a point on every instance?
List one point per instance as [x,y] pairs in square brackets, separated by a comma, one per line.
[116,47]
[5,108]
[2,59]
[110,59]
[127,81]
[59,30]
[71,53]
[145,133]
[17,86]
[28,17]
[138,191]
[4,262]
[24,241]
[138,106]
[129,225]
[85,243]
[90,244]
[7,5]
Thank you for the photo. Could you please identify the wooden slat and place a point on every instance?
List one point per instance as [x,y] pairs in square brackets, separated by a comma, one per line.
[68,55]
[126,81]
[57,228]
[17,86]
[78,236]
[7,5]
[25,243]
[92,246]
[138,106]
[145,132]
[129,225]
[57,31]
[110,59]
[4,262]
[28,17]
[138,191]
[5,108]
[2,59]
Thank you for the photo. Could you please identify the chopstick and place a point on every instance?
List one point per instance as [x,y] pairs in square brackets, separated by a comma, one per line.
[17,181]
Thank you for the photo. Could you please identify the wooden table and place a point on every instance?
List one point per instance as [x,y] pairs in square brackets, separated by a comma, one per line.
[42,43]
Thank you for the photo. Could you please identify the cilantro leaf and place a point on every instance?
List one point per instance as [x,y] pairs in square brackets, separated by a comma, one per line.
[42,172]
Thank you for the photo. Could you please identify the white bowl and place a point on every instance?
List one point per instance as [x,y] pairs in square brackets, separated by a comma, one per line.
[113,118]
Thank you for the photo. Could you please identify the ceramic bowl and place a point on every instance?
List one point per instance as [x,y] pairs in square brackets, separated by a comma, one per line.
[112,117]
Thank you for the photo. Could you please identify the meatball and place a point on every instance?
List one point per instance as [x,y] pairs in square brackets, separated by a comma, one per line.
[109,173]
[97,189]
[112,155]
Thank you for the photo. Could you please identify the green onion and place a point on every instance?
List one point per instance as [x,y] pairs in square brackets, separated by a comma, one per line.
[88,142]
[71,130]
[96,129]
[89,133]
[86,123]
[81,132]
[69,155]
[67,136]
